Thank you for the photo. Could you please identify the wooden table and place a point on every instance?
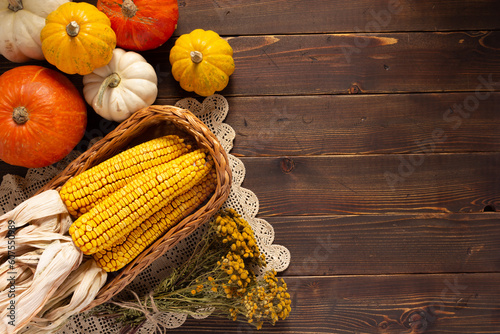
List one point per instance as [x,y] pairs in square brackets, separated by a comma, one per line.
[370,132]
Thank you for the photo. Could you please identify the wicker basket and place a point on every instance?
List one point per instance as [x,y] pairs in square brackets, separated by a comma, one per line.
[145,124]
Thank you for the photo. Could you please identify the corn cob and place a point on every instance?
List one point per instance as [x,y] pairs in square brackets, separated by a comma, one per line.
[122,211]
[87,189]
[131,245]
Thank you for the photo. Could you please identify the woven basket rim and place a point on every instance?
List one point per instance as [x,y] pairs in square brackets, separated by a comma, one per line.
[117,140]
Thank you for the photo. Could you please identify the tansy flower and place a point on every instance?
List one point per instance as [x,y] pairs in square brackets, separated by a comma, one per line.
[225,261]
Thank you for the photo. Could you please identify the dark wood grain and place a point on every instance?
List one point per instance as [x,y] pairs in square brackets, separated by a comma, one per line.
[390,244]
[359,63]
[353,124]
[394,304]
[322,185]
[279,17]
[355,63]
[370,133]
[250,17]
[348,64]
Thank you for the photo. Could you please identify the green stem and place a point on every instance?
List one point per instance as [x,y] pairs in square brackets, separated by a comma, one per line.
[196,265]
[20,115]
[198,251]
[112,81]
[15,5]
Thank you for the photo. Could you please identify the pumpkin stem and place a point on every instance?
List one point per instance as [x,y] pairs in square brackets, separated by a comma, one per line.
[20,115]
[112,81]
[129,8]
[196,56]
[73,29]
[15,5]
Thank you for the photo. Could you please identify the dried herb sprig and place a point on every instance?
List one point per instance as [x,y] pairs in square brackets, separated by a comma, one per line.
[218,277]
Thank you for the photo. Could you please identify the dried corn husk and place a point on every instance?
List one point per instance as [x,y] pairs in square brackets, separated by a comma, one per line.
[40,211]
[24,267]
[57,261]
[46,264]
[37,240]
[82,285]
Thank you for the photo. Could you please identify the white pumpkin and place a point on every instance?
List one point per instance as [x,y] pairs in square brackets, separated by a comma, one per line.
[128,83]
[21,22]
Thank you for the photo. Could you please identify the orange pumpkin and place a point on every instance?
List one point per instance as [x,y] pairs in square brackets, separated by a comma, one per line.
[141,24]
[43,116]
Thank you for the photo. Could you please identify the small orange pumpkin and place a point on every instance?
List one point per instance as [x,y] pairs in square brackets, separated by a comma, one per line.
[43,116]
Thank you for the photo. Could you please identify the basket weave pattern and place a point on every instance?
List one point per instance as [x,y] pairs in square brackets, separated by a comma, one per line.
[137,128]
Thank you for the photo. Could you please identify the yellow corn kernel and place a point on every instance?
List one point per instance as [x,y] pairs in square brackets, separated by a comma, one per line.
[156,225]
[110,217]
[87,189]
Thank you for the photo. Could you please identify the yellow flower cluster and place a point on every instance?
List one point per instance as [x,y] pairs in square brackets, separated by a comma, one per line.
[235,231]
[239,276]
[268,300]
[220,272]
[262,299]
[198,288]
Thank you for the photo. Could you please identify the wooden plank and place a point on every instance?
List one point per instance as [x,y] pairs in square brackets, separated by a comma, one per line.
[321,185]
[356,124]
[353,63]
[347,63]
[400,304]
[238,17]
[352,124]
[395,244]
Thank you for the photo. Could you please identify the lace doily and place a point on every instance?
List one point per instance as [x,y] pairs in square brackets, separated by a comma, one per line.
[213,111]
